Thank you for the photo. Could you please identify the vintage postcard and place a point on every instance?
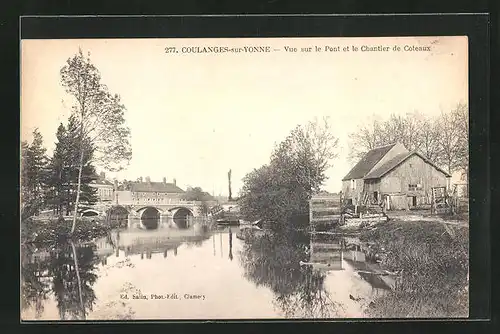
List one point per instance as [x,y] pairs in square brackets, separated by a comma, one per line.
[244,178]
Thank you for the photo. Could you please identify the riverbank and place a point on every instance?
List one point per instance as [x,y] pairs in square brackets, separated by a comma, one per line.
[57,229]
[432,259]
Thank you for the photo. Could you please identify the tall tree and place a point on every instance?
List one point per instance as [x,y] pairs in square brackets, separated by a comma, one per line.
[461,123]
[442,139]
[33,169]
[25,189]
[429,140]
[280,190]
[100,116]
[56,179]
[64,170]
[88,194]
[454,139]
[229,185]
[367,137]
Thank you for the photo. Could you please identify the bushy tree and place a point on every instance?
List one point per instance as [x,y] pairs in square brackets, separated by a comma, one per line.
[197,194]
[280,190]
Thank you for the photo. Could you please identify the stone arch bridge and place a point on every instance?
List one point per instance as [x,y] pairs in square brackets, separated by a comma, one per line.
[153,216]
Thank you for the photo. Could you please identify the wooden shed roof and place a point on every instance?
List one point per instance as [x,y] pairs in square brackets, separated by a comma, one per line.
[396,161]
[369,161]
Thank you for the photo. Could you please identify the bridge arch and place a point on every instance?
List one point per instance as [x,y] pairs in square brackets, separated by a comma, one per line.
[140,210]
[181,216]
[150,217]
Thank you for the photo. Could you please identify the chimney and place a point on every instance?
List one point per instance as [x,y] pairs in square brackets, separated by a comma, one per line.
[164,179]
[102,175]
[148,180]
[175,182]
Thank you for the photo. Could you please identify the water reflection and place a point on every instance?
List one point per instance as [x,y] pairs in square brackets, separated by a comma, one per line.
[274,260]
[35,281]
[230,244]
[66,272]
[304,272]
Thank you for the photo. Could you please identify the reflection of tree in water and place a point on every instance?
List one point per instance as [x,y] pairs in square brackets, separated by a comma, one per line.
[273,261]
[35,288]
[55,271]
[74,295]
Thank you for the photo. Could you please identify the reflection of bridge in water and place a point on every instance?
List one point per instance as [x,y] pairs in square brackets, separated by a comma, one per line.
[146,243]
[181,215]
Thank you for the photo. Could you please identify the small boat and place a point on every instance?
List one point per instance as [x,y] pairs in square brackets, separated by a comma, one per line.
[228,222]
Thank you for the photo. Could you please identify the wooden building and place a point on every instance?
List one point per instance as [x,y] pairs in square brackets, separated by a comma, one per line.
[393,177]
[325,210]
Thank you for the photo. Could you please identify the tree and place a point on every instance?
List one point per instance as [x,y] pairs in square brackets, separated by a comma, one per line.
[280,190]
[230,198]
[411,130]
[197,194]
[62,179]
[366,138]
[429,140]
[100,116]
[442,139]
[25,189]
[33,169]
[454,139]
[461,123]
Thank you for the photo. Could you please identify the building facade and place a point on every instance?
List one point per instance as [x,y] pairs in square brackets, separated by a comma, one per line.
[150,193]
[394,177]
[105,188]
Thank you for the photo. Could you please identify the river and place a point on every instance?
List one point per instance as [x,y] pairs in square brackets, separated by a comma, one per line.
[196,274]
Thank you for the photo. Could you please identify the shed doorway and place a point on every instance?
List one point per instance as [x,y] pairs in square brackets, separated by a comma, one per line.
[412,202]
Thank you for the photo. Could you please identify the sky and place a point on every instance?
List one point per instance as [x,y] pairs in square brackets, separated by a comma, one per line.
[194,116]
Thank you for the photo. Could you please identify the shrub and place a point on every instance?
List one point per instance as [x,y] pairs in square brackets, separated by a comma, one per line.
[434,264]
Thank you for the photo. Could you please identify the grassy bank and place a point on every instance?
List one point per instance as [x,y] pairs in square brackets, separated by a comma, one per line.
[433,258]
[57,229]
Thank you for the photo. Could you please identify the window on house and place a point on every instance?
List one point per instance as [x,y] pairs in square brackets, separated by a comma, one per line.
[414,187]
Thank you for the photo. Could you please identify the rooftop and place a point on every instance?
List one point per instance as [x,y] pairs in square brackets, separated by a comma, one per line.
[160,187]
[396,161]
[102,182]
[370,159]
